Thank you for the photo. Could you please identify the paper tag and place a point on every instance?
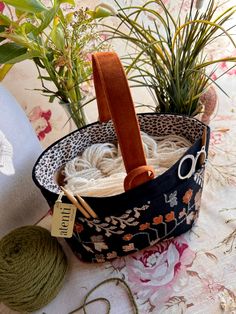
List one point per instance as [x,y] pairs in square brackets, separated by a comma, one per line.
[63,220]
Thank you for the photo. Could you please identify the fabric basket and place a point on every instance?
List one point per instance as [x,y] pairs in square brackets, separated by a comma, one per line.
[151,209]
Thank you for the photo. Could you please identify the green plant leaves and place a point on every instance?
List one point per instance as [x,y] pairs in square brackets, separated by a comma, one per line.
[57,42]
[72,2]
[33,6]
[101,11]
[4,70]
[47,17]
[169,57]
[10,51]
[4,20]
[25,56]
[57,36]
[28,28]
[2,29]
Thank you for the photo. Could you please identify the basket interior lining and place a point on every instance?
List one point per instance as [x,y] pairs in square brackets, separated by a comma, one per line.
[74,144]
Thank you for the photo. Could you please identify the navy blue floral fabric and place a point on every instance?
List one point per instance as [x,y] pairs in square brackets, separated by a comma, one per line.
[160,209]
[164,207]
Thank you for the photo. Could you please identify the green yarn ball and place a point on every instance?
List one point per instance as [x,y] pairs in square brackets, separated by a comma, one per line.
[32,268]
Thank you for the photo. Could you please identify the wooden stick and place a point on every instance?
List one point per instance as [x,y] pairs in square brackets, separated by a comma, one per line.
[86,206]
[202,157]
[75,202]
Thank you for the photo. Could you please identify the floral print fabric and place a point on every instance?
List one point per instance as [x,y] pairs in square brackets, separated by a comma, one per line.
[193,273]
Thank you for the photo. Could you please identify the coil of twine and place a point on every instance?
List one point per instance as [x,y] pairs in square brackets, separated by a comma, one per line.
[32,268]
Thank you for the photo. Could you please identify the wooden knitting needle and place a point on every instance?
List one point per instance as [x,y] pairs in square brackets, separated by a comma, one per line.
[86,206]
[75,202]
[202,157]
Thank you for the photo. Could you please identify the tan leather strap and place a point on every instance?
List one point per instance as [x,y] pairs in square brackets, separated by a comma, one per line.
[114,100]
[137,176]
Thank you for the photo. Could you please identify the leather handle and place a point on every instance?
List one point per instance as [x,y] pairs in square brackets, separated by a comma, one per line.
[114,101]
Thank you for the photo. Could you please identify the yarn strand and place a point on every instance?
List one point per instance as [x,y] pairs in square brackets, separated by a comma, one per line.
[85,303]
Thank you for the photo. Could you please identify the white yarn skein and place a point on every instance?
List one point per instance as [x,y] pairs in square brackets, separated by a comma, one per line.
[100,170]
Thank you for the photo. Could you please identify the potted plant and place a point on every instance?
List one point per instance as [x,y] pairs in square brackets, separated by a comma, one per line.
[59,42]
[168,55]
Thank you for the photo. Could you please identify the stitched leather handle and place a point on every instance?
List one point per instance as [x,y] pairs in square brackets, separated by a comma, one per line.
[115,102]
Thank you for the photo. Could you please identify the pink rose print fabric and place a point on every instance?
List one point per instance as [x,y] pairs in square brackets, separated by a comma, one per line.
[159,268]
[2,6]
[155,273]
[41,121]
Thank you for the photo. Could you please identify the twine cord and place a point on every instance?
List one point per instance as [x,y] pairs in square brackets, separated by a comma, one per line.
[118,280]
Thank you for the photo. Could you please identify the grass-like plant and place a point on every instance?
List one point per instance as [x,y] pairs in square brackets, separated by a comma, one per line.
[58,42]
[169,56]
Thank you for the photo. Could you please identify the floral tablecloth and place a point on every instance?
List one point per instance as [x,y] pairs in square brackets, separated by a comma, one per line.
[194,273]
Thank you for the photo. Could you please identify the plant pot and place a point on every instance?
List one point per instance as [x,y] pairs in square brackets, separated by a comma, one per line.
[208,102]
